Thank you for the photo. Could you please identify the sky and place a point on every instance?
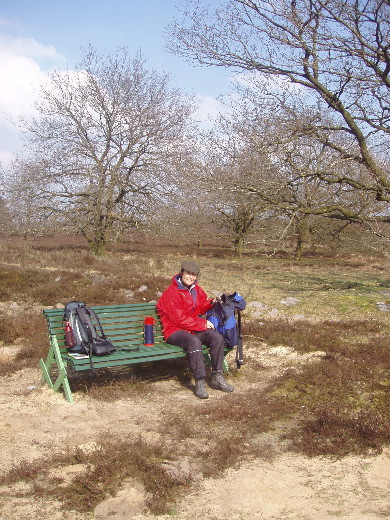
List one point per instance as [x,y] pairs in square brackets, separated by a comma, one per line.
[37,36]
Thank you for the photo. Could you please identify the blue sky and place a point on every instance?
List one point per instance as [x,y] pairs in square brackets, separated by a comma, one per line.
[39,35]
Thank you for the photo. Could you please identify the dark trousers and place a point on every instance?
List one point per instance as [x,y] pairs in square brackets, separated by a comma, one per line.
[192,346]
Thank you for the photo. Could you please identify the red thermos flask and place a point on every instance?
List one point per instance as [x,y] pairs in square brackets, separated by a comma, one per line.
[148,331]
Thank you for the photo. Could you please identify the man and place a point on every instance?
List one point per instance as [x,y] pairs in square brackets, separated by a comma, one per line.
[180,307]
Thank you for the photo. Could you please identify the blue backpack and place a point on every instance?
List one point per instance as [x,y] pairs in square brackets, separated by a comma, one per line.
[223,317]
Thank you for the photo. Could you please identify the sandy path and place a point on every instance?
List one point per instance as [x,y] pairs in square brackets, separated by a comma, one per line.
[35,422]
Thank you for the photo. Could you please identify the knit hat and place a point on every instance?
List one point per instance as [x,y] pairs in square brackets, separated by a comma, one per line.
[190,266]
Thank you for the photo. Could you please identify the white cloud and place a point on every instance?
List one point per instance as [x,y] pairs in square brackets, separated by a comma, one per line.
[28,47]
[19,76]
[209,108]
[22,70]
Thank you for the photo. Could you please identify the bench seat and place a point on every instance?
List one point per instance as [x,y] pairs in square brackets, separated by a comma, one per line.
[124,326]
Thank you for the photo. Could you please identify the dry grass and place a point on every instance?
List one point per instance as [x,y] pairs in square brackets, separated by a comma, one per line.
[339,403]
[335,406]
[48,287]
[106,467]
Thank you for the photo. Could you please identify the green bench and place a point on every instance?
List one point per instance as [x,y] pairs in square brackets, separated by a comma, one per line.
[124,326]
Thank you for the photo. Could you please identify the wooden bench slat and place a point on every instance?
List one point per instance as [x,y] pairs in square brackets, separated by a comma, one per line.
[129,361]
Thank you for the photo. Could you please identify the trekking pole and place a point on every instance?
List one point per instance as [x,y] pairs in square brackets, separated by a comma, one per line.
[239,351]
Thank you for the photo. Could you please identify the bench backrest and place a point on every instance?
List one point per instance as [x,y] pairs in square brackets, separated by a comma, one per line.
[122,324]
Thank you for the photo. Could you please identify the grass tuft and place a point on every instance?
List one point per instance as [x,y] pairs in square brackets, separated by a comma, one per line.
[106,468]
[339,402]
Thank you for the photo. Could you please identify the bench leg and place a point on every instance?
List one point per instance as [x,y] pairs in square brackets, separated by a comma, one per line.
[54,356]
[207,358]
[225,366]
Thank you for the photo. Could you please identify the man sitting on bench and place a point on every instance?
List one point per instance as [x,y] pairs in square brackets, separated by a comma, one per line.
[179,308]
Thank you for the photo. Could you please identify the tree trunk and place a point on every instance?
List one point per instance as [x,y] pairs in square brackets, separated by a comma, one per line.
[97,241]
[302,230]
[239,245]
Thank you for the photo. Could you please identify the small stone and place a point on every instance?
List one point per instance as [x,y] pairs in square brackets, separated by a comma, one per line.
[289,301]
[258,305]
[383,307]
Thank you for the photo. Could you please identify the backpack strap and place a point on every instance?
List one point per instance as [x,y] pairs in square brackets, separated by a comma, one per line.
[97,322]
[89,330]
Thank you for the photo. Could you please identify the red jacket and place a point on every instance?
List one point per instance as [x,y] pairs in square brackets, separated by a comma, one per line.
[179,307]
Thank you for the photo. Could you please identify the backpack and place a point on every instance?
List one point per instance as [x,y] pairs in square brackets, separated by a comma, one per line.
[87,336]
[223,317]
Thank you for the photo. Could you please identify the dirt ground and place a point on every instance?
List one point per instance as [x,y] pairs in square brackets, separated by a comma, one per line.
[36,422]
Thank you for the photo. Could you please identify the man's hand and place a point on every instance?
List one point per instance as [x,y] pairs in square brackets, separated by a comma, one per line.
[209,325]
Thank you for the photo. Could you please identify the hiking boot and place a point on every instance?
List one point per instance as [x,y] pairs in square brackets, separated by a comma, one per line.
[200,389]
[219,383]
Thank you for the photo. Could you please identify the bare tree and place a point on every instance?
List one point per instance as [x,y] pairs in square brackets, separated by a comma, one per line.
[236,209]
[257,169]
[26,209]
[337,52]
[5,217]
[105,139]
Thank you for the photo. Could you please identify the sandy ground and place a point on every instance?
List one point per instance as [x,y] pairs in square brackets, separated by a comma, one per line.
[36,422]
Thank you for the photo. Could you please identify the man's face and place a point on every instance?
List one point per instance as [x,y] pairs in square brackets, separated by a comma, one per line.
[188,278]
